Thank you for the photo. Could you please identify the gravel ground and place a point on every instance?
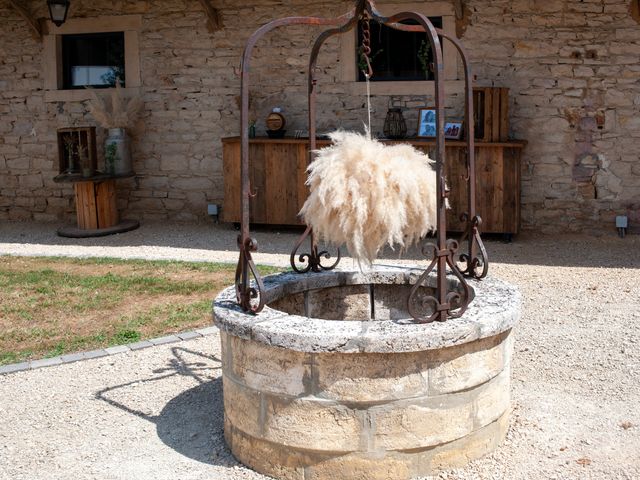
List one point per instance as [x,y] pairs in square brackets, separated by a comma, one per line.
[157,413]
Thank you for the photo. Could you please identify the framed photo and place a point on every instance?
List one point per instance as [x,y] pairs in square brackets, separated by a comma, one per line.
[427,123]
[453,130]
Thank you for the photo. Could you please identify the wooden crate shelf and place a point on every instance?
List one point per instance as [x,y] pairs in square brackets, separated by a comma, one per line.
[71,141]
[491,114]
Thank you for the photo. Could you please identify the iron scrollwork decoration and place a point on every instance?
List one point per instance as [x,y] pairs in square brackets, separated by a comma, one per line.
[456,302]
[311,262]
[250,298]
[475,260]
[448,304]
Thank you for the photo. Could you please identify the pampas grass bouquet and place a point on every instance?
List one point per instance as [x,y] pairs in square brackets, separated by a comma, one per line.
[366,194]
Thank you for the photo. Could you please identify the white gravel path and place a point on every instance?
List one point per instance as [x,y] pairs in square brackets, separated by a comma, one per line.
[157,413]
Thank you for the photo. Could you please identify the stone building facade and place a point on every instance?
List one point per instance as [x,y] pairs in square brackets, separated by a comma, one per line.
[572,66]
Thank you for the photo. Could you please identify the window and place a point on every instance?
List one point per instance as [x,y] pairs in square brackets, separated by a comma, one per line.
[93,60]
[91,52]
[442,14]
[397,55]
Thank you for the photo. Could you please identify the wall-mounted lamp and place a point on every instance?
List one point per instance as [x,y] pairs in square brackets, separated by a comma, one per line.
[58,10]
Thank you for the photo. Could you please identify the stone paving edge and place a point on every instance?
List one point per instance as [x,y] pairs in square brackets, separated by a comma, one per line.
[106,352]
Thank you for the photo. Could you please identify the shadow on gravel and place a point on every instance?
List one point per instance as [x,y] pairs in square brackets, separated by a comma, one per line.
[192,422]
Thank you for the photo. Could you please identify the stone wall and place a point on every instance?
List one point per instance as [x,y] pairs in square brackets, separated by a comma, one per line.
[572,67]
[573,70]
[297,415]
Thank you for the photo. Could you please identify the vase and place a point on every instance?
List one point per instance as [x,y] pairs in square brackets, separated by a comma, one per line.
[85,164]
[394,125]
[117,152]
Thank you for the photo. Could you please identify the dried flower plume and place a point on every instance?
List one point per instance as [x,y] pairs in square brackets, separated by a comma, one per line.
[121,113]
[366,194]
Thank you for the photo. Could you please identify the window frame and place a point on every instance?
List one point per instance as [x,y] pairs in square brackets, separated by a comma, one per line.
[348,42]
[130,25]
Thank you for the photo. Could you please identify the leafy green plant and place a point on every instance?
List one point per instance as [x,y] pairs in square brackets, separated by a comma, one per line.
[125,336]
[110,157]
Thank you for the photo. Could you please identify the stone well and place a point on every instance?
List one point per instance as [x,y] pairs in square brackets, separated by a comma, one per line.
[331,379]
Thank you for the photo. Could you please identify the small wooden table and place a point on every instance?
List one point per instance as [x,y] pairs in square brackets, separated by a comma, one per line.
[96,207]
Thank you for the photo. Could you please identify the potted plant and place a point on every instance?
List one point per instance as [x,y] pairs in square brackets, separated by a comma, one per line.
[116,118]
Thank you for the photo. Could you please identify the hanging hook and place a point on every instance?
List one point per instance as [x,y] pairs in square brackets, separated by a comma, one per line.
[467,174]
[369,72]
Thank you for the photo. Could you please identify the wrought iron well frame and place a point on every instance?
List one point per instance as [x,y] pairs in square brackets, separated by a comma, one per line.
[446,304]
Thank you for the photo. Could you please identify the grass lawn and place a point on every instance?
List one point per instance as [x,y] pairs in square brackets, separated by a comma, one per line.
[52,306]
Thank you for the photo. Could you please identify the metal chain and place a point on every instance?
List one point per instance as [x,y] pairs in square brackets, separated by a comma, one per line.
[366,52]
[366,45]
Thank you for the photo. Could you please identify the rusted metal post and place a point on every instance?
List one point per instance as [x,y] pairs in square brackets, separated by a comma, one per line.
[245,293]
[313,261]
[445,304]
[476,259]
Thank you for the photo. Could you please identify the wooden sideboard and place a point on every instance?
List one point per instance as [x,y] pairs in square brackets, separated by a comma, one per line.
[277,169]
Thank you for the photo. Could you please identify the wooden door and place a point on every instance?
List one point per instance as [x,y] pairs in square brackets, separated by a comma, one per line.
[497,186]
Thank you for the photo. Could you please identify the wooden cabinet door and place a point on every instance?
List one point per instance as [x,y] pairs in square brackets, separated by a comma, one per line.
[277,172]
[497,187]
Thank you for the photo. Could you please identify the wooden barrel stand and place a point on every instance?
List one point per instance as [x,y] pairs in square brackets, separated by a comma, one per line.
[96,204]
[96,210]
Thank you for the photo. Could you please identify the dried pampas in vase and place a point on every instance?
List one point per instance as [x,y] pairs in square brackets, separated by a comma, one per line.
[121,113]
[117,117]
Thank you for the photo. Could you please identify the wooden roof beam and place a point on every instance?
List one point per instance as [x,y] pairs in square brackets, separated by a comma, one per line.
[463,16]
[634,10]
[34,25]
[214,19]
[458,6]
